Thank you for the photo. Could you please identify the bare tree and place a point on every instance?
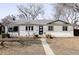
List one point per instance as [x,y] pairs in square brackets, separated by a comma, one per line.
[59,8]
[6,20]
[70,16]
[31,11]
[67,12]
[21,16]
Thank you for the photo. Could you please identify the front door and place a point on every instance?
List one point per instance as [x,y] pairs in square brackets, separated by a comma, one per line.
[40,30]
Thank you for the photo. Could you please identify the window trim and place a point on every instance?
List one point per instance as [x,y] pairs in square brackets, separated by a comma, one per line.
[29,28]
[65,28]
[50,28]
[14,29]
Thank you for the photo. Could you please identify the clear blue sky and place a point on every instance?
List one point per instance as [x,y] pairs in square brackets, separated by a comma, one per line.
[11,8]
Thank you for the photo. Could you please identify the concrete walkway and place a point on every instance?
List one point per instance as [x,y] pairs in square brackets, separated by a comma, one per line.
[47,49]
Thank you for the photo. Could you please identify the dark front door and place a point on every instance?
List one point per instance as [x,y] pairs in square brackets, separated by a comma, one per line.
[40,29]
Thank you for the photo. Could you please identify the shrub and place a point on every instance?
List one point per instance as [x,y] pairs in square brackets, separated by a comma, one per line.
[5,35]
[49,36]
[35,36]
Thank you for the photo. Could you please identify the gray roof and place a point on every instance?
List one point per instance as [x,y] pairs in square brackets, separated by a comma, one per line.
[39,22]
[31,21]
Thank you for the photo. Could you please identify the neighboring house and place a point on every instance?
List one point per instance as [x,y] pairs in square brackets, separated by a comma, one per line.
[76,30]
[57,28]
[2,28]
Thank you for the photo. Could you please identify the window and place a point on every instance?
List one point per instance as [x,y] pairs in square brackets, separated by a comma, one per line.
[64,28]
[50,28]
[15,29]
[30,28]
[26,28]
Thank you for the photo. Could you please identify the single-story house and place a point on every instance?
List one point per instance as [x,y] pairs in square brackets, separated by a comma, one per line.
[57,28]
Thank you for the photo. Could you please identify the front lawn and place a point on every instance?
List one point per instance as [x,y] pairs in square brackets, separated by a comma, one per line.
[64,46]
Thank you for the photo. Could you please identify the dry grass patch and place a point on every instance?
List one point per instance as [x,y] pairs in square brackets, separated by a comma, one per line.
[31,47]
[64,45]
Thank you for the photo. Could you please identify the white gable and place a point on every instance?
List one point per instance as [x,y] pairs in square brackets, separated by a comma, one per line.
[59,22]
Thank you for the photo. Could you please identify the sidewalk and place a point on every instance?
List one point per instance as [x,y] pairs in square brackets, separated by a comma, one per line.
[47,49]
